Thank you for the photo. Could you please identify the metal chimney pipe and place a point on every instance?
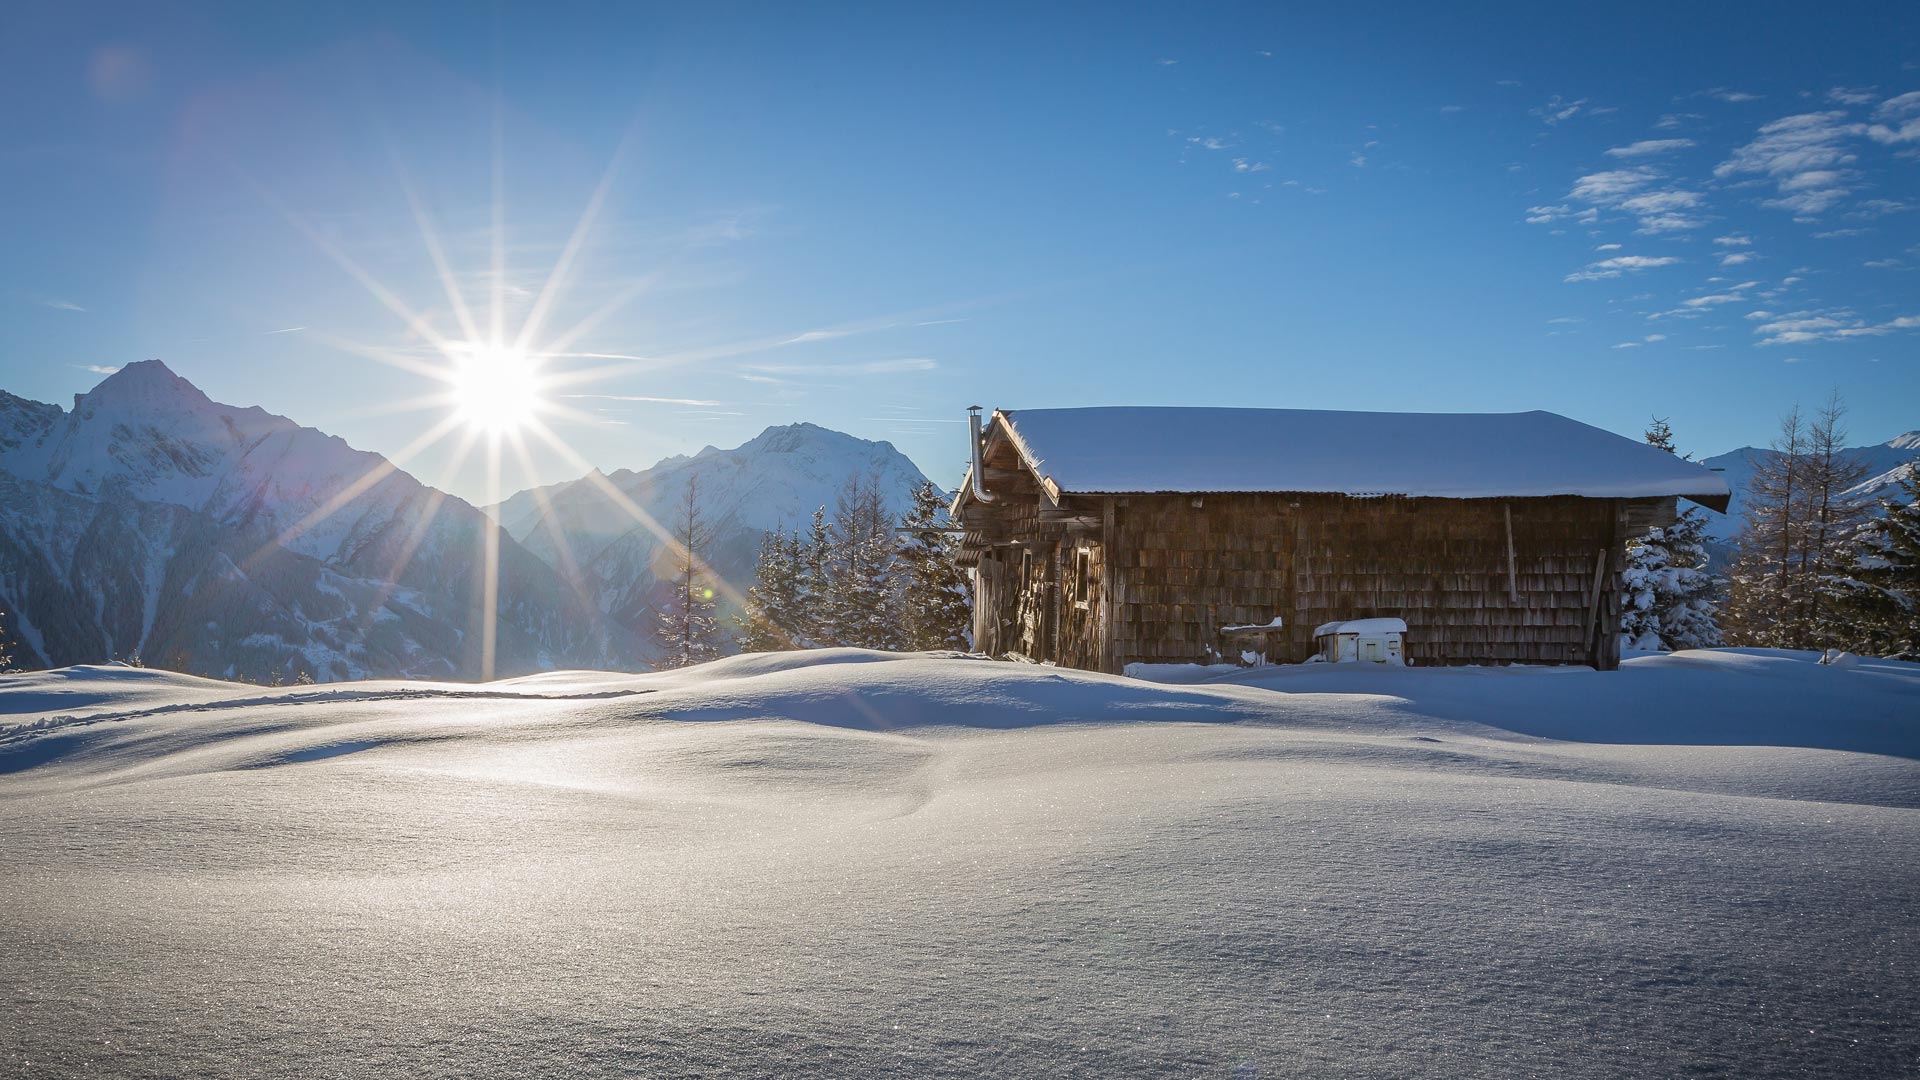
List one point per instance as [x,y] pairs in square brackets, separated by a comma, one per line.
[977,472]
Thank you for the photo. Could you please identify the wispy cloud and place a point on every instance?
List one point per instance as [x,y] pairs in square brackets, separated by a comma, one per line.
[57,303]
[866,367]
[1612,185]
[1732,97]
[97,369]
[1733,240]
[643,399]
[1735,258]
[1635,191]
[1846,95]
[1621,264]
[1241,164]
[1801,327]
[1649,147]
[818,335]
[1734,295]
[1806,156]
[1558,110]
[1897,120]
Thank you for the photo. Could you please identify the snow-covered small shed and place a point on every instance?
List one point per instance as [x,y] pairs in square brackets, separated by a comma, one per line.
[1362,641]
[1107,536]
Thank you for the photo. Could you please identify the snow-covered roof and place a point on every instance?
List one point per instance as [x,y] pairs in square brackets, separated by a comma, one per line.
[1143,450]
[1362,626]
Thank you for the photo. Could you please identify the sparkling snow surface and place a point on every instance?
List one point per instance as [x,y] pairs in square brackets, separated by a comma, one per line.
[1443,455]
[857,864]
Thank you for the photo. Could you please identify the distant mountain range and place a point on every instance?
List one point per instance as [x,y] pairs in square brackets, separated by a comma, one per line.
[151,521]
[1887,463]
[775,480]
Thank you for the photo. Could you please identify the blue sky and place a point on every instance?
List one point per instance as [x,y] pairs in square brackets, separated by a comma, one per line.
[872,218]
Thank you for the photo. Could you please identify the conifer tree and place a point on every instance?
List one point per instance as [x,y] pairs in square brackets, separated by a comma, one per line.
[861,606]
[1837,514]
[1660,434]
[1762,588]
[1669,594]
[811,618]
[6,645]
[1800,514]
[689,630]
[1875,593]
[936,613]
[773,619]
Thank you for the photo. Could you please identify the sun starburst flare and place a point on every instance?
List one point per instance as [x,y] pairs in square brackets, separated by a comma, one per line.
[496,387]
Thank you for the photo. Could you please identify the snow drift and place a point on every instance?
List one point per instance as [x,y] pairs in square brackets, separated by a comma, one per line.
[848,863]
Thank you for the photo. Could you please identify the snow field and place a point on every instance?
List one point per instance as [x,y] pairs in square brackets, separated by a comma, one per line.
[858,864]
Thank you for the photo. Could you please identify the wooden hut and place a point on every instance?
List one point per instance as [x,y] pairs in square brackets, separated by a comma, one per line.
[1104,537]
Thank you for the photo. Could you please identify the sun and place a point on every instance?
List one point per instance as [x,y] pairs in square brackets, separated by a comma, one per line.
[496,389]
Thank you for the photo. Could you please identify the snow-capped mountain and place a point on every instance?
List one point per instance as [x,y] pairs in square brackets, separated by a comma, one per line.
[775,480]
[1886,463]
[152,520]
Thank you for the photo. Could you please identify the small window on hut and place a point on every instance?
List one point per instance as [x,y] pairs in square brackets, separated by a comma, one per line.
[1082,576]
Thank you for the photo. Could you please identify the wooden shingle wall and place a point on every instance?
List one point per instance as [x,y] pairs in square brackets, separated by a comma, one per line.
[1164,573]
[1182,571]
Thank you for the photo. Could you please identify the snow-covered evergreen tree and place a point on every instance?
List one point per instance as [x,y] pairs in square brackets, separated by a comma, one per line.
[1875,590]
[689,630]
[816,580]
[935,612]
[1669,594]
[6,645]
[861,605]
[773,619]
[861,578]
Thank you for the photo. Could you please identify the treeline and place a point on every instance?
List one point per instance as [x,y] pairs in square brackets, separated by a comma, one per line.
[1818,566]
[858,577]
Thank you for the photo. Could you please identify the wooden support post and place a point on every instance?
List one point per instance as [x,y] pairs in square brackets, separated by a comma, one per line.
[1616,567]
[1593,607]
[1109,618]
[1513,573]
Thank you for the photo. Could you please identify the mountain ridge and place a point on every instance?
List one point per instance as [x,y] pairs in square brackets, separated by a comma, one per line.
[774,480]
[1886,463]
[151,520]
